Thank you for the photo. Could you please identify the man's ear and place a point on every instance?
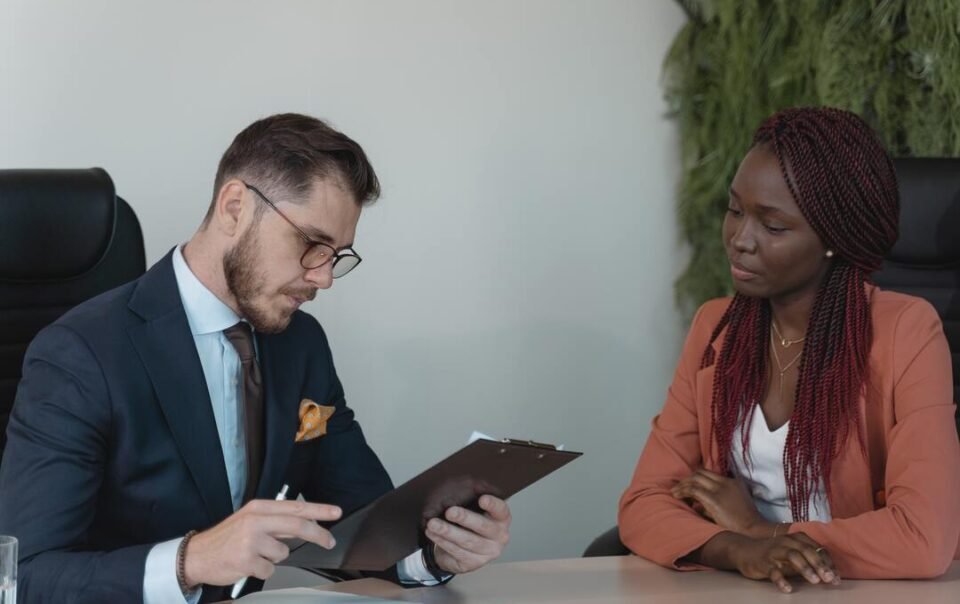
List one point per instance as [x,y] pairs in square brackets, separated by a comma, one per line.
[229,207]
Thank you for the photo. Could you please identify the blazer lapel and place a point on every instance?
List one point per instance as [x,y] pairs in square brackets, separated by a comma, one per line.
[851,484]
[281,389]
[169,354]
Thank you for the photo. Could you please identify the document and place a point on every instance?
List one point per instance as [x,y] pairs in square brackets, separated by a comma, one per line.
[391,528]
[303,595]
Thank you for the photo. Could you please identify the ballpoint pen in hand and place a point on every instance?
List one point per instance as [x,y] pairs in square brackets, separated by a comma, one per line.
[238,586]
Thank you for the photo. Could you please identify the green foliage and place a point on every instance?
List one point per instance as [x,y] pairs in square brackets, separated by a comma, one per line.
[894,62]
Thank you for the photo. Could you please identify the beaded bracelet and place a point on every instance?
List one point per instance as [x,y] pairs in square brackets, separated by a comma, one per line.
[181,562]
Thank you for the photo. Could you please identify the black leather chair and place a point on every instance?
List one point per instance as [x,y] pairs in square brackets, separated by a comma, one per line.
[64,237]
[925,262]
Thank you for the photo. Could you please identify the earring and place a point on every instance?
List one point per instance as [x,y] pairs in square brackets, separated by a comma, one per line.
[829,253]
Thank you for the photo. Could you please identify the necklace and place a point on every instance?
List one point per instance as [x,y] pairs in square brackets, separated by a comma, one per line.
[781,368]
[783,341]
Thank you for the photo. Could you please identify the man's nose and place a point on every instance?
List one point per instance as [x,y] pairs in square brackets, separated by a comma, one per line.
[321,277]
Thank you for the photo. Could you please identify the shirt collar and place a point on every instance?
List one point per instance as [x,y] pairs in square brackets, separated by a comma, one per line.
[206,313]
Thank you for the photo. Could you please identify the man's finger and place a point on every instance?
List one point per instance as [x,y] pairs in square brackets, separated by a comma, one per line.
[464,539]
[466,561]
[302,509]
[293,526]
[472,521]
[496,507]
[262,569]
[274,551]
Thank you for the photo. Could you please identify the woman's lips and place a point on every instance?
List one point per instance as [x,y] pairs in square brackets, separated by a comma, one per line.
[741,274]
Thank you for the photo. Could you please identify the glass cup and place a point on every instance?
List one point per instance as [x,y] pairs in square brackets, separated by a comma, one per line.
[8,570]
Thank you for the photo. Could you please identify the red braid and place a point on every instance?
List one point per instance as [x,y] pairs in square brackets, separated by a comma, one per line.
[845,186]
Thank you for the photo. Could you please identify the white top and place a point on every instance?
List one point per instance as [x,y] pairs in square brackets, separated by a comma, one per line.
[765,478]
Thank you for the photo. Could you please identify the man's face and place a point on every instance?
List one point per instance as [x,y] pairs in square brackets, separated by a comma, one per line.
[262,269]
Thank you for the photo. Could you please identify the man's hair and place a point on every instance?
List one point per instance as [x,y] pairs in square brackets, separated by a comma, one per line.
[284,154]
[845,185]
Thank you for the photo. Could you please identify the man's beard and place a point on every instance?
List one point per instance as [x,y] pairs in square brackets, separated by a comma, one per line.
[243,281]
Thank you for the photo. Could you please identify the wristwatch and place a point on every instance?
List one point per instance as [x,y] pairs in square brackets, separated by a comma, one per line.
[430,562]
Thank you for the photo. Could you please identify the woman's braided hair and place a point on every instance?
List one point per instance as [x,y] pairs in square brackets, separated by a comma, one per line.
[844,184]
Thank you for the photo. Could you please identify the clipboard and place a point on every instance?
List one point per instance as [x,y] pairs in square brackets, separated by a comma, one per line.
[389,529]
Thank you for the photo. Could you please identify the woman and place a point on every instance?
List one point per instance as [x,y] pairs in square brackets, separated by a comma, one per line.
[809,428]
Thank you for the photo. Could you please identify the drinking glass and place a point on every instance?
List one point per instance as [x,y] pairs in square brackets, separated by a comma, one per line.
[8,570]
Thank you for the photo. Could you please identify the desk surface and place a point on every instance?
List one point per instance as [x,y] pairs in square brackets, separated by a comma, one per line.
[625,578]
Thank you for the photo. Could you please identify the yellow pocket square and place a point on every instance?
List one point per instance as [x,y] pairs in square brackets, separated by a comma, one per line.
[313,420]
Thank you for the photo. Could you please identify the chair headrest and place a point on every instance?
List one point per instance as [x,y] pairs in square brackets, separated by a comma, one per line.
[929,212]
[54,224]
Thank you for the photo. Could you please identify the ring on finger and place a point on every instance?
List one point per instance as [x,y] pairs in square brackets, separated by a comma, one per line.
[818,550]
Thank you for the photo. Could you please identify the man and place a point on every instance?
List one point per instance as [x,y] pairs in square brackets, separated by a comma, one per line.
[173,404]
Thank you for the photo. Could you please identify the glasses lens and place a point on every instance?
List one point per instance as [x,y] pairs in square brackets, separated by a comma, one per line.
[344,265]
[317,256]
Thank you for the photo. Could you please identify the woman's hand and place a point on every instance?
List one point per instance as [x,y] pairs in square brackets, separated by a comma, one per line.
[785,556]
[774,559]
[725,501]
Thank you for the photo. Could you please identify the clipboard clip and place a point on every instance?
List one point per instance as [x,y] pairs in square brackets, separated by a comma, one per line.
[529,443]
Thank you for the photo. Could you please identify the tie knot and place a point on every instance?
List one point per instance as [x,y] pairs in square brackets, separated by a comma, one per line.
[241,336]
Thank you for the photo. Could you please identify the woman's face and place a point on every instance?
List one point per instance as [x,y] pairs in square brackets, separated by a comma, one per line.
[773,251]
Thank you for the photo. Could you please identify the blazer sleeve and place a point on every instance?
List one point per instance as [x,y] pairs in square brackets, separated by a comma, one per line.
[52,472]
[652,523]
[915,535]
[346,472]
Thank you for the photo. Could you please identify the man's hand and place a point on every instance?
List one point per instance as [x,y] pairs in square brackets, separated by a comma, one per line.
[247,543]
[467,540]
[725,501]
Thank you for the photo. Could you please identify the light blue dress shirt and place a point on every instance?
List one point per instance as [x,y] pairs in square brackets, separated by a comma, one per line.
[208,316]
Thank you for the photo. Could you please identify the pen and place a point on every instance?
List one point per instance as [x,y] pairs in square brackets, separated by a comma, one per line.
[238,586]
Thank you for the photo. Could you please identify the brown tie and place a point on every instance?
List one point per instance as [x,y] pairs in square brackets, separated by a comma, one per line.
[241,336]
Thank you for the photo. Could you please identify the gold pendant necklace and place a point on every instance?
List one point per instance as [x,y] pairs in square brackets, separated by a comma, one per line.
[783,341]
[782,369]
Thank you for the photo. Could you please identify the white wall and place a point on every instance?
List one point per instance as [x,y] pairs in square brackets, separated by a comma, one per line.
[518,270]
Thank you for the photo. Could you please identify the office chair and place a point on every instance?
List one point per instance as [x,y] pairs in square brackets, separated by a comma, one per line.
[925,262]
[64,237]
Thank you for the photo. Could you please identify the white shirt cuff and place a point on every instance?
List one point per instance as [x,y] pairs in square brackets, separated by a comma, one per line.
[412,571]
[160,576]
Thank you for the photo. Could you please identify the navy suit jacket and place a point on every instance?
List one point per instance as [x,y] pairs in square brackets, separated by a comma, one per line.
[112,444]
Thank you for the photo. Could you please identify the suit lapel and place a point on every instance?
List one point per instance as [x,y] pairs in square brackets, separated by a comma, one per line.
[169,354]
[281,397]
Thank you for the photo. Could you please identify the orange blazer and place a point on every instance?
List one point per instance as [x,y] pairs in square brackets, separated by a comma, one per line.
[895,503]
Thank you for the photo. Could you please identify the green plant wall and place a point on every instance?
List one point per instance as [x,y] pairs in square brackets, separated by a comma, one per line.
[894,62]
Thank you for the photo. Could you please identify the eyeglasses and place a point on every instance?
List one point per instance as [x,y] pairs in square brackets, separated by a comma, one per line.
[317,253]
